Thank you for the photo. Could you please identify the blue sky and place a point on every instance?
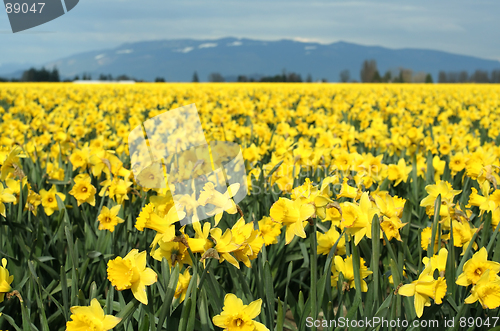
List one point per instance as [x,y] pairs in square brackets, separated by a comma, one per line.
[463,27]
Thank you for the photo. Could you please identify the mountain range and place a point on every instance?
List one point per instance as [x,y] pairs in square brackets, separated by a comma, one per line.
[177,60]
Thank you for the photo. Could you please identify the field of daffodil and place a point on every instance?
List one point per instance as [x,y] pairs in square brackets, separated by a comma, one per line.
[363,201]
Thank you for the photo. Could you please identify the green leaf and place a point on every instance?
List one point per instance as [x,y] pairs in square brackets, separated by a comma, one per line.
[269,287]
[492,238]
[281,317]
[127,311]
[206,323]
[64,291]
[432,241]
[273,170]
[357,275]
[314,272]
[375,261]
[186,309]
[11,321]
[26,317]
[325,278]
[465,257]
[169,295]
[193,297]
[384,308]
[93,291]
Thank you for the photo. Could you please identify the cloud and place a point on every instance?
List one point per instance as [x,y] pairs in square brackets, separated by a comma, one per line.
[207,45]
[308,40]
[184,50]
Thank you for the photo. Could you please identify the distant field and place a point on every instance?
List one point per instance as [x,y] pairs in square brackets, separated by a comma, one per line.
[363,201]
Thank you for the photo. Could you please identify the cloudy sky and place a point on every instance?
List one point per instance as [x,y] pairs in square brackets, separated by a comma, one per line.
[457,26]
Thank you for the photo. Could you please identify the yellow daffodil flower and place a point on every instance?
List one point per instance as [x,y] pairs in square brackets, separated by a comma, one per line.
[164,226]
[243,235]
[5,280]
[55,172]
[345,266]
[49,201]
[10,162]
[389,206]
[131,272]
[425,239]
[162,202]
[306,193]
[80,158]
[15,186]
[237,316]
[117,189]
[6,196]
[486,290]
[224,245]
[476,266]
[423,289]
[347,191]
[182,285]
[293,215]
[269,230]
[91,318]
[399,173]
[447,195]
[438,261]
[357,218]
[328,239]
[485,203]
[438,166]
[462,234]
[457,163]
[83,190]
[200,243]
[391,227]
[33,201]
[108,218]
[189,204]
[174,252]
[221,201]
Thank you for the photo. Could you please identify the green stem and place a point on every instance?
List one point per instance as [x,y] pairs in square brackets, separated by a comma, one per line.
[375,260]
[356,265]
[314,271]
[437,208]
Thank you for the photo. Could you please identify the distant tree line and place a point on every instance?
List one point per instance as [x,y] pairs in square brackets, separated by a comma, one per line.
[478,76]
[291,77]
[39,75]
[215,77]
[108,77]
[370,74]
[284,77]
[44,75]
